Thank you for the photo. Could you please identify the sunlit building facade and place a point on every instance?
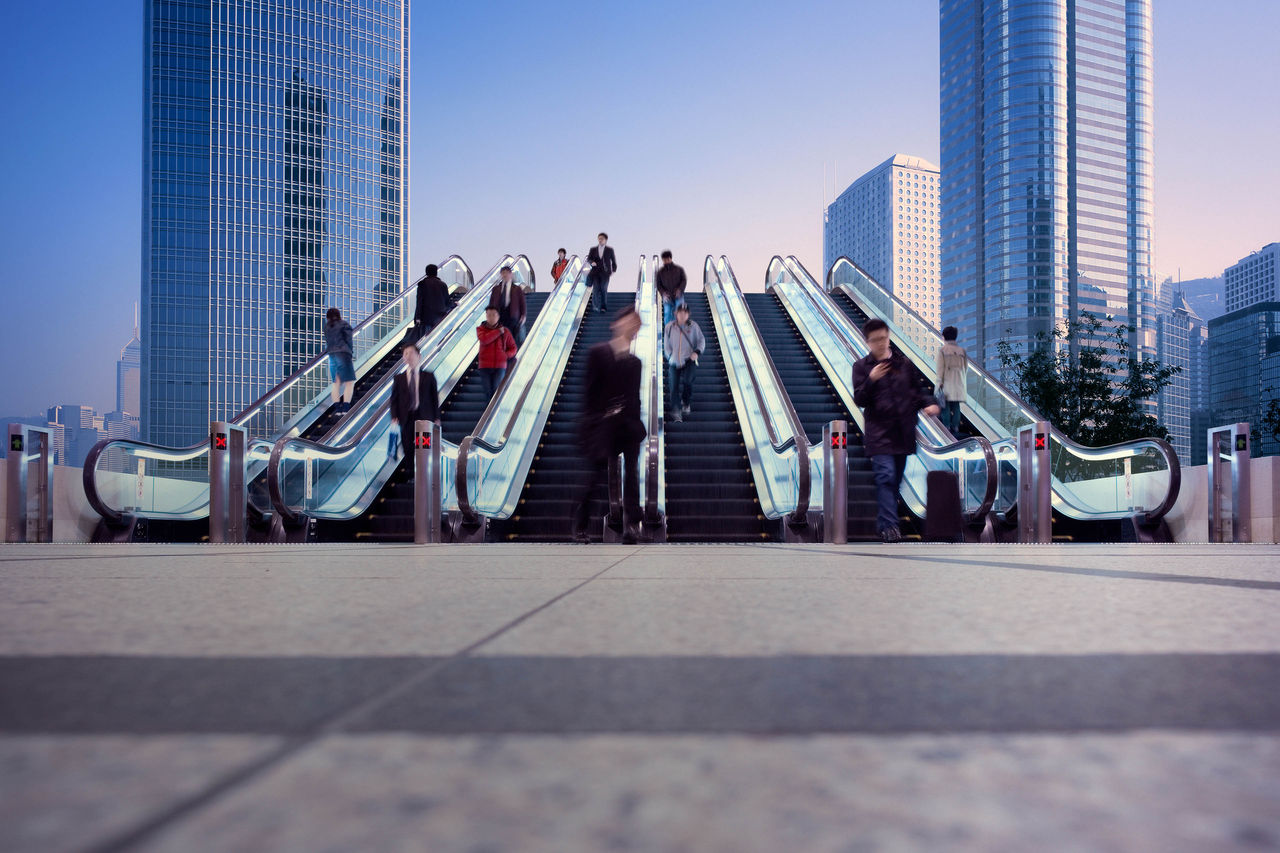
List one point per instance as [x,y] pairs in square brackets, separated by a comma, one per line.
[887,223]
[1046,166]
[275,187]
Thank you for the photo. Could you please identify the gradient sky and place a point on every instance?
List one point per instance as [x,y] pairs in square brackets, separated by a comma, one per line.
[700,127]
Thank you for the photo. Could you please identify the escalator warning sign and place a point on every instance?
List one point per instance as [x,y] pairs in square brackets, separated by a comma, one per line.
[839,440]
[15,444]
[1040,441]
[1242,443]
[422,439]
[219,441]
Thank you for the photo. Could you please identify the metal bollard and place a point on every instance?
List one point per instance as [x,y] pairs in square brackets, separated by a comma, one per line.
[228,496]
[28,445]
[426,482]
[1237,458]
[835,482]
[1035,499]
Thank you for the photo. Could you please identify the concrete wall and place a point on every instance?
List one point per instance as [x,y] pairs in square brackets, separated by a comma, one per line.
[73,519]
[1189,519]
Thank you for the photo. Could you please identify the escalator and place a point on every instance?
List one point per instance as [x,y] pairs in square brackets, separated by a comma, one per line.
[1116,493]
[144,491]
[390,516]
[546,502]
[711,494]
[817,403]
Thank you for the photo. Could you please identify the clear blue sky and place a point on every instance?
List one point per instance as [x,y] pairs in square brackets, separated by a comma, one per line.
[699,127]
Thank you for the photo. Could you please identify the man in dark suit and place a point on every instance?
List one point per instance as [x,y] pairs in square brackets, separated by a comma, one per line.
[611,423]
[508,297]
[603,264]
[414,396]
[433,301]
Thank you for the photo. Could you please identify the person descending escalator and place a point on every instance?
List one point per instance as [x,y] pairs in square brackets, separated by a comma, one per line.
[890,390]
[671,282]
[414,396]
[603,263]
[683,343]
[497,347]
[557,269]
[611,424]
[433,301]
[339,342]
[508,297]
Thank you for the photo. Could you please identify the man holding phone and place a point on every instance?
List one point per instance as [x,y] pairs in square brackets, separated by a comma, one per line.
[890,390]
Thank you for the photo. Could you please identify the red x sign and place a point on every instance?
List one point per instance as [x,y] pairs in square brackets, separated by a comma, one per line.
[1040,441]
[423,439]
[219,441]
[839,440]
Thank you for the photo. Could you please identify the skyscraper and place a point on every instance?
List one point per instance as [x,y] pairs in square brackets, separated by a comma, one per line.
[887,223]
[1253,279]
[129,374]
[1182,342]
[1046,165]
[274,187]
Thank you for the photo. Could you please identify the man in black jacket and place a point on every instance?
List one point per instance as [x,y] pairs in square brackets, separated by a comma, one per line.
[433,301]
[890,390]
[508,297]
[671,282]
[603,264]
[611,423]
[414,396]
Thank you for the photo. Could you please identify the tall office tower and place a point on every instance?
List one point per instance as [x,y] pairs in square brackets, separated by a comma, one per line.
[887,223]
[1253,279]
[1046,164]
[129,374]
[275,187]
[1180,342]
[1244,369]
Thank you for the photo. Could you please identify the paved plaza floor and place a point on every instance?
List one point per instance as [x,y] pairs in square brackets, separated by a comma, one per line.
[652,698]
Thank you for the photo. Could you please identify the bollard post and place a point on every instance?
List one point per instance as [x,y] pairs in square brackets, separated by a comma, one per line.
[228,496]
[1229,476]
[426,482]
[28,445]
[835,482]
[1035,498]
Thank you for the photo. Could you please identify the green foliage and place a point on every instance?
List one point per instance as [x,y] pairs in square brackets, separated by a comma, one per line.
[1095,395]
[1270,422]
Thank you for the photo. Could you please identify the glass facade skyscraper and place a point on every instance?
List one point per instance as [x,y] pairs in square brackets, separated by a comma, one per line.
[275,187]
[1244,369]
[1046,168]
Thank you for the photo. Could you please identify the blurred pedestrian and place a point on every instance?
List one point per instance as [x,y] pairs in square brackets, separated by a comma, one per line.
[683,343]
[433,301]
[508,297]
[671,282]
[497,347]
[340,344]
[953,364]
[603,263]
[414,396]
[611,424]
[890,390]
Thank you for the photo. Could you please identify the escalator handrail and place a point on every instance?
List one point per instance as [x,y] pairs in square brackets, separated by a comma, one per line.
[467,511]
[1083,451]
[91,460]
[654,439]
[780,445]
[371,419]
[925,442]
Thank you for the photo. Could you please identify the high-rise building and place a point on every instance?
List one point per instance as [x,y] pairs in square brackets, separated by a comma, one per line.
[1181,342]
[1244,369]
[1253,279]
[75,430]
[887,223]
[129,375]
[275,187]
[1046,165]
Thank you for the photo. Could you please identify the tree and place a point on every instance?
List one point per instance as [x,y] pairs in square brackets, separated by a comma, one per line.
[1095,395]
[1269,425]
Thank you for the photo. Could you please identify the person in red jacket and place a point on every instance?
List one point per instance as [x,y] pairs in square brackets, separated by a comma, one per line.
[497,347]
[558,267]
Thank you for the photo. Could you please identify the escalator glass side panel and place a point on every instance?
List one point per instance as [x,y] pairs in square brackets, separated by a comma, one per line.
[1088,483]
[648,348]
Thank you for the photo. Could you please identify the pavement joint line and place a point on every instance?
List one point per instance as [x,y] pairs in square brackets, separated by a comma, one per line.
[1113,574]
[245,773]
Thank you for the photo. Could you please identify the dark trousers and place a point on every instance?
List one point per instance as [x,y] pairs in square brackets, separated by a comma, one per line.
[951,416]
[491,378]
[888,468]
[598,475]
[600,293]
[681,381]
[515,328]
[406,441]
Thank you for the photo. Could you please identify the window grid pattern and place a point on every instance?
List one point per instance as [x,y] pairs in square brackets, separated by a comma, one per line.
[1253,279]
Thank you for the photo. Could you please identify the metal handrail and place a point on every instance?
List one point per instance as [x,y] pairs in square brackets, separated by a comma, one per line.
[91,460]
[926,442]
[369,423]
[467,511]
[798,439]
[1166,450]
[654,439]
